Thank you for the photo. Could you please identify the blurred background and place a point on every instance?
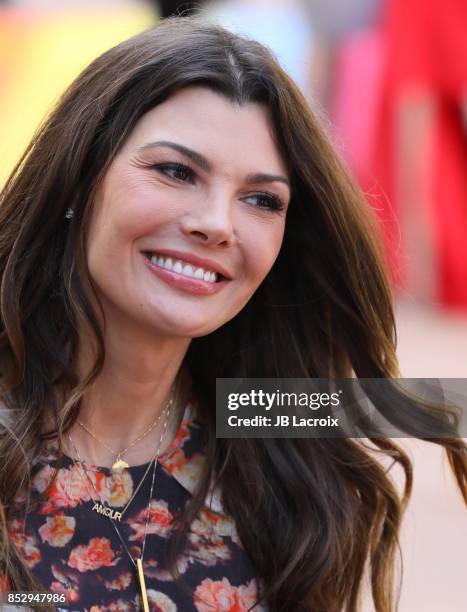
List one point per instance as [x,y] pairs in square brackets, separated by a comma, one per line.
[388,79]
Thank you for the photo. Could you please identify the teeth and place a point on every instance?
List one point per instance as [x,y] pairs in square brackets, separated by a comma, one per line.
[188,270]
[181,267]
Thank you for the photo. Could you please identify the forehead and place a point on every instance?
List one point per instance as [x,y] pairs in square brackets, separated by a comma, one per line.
[222,130]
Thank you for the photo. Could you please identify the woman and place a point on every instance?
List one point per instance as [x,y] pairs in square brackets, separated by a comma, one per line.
[180,217]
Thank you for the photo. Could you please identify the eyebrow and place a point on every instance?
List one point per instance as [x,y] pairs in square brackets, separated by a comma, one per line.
[206,165]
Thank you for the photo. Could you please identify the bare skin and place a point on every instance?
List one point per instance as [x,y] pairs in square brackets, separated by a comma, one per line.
[139,376]
[214,211]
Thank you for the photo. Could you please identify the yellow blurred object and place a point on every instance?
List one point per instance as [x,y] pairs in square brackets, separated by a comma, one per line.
[41,54]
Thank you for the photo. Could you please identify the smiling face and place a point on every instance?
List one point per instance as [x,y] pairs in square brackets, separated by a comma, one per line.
[190,215]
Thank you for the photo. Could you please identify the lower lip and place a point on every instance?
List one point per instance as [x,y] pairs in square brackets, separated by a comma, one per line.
[190,285]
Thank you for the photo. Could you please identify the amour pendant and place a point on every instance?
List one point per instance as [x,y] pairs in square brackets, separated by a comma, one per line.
[106,511]
[142,584]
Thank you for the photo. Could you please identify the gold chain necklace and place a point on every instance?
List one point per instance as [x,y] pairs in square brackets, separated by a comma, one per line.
[105,510]
[138,563]
[119,463]
[110,512]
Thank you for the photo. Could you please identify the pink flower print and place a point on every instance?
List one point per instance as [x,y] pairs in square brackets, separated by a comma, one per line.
[65,583]
[217,595]
[120,583]
[31,553]
[183,434]
[116,489]
[186,471]
[67,491]
[248,594]
[160,602]
[206,546]
[42,479]
[25,543]
[209,522]
[207,551]
[98,553]
[160,521]
[72,593]
[58,530]
[175,462]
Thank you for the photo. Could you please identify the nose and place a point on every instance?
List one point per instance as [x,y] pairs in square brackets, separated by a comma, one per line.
[210,221]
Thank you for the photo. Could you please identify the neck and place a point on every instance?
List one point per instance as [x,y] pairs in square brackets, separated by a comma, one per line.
[132,391]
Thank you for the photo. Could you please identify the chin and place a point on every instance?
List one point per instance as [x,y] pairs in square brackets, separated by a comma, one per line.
[189,328]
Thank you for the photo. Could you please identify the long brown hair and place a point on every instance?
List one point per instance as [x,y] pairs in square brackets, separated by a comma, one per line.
[310,513]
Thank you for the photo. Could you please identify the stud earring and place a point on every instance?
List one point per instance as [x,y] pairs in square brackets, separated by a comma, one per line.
[69,213]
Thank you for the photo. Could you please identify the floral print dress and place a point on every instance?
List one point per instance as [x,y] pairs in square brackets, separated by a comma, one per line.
[76,551]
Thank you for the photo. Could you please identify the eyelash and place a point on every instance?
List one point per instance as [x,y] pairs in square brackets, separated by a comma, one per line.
[275,203]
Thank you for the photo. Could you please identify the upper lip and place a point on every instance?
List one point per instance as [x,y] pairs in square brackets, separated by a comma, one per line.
[200,262]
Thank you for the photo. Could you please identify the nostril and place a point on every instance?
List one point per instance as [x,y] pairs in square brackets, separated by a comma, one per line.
[197,233]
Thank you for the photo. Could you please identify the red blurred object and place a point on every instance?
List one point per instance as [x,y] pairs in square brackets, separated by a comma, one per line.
[426,46]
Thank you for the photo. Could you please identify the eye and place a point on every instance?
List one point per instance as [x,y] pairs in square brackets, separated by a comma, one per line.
[267,201]
[178,172]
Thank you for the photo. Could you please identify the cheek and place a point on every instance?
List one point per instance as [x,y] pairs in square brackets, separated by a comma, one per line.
[132,213]
[263,249]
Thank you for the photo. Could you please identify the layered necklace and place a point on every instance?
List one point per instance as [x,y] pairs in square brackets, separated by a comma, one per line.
[119,463]
[107,511]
